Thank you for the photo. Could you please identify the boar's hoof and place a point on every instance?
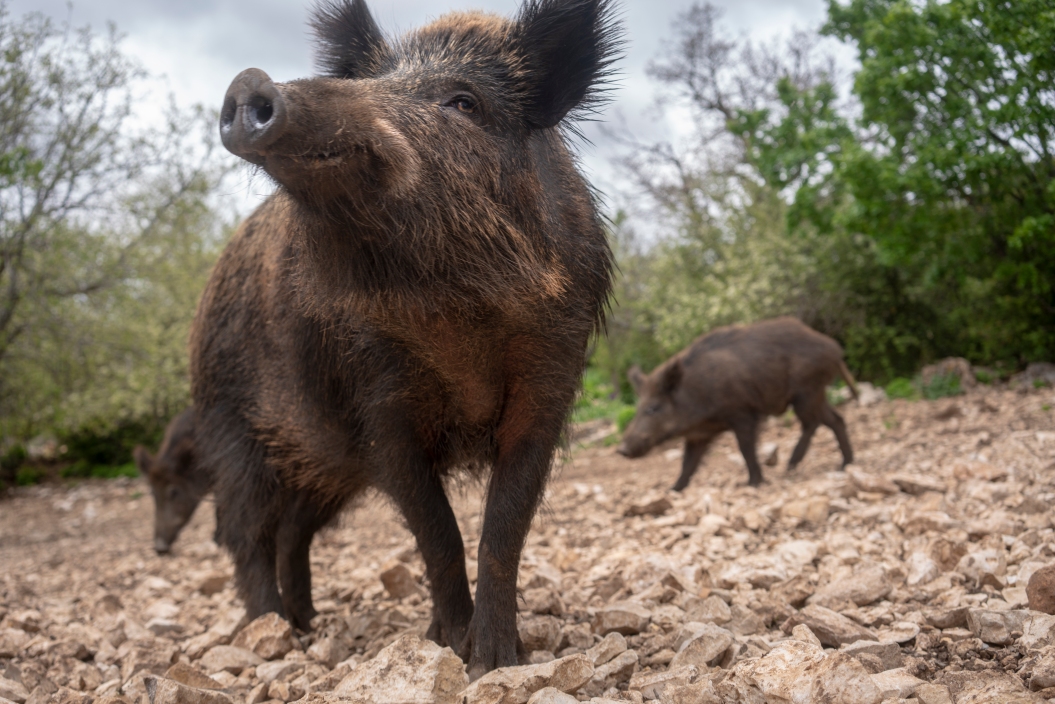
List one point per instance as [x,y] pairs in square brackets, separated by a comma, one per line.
[485,649]
[162,547]
[791,467]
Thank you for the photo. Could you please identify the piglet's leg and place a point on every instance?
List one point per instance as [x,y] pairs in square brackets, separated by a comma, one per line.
[526,443]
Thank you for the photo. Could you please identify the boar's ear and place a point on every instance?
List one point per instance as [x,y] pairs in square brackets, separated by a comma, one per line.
[671,377]
[636,378]
[567,48]
[348,41]
[144,462]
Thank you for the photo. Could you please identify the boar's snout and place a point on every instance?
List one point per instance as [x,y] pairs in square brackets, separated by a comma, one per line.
[253,115]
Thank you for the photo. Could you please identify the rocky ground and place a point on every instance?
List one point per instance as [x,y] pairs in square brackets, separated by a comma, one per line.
[902,579]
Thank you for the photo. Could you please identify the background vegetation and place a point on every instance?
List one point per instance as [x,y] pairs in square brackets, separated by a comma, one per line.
[908,210]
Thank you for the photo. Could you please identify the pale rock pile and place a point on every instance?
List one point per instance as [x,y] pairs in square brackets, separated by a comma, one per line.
[924,574]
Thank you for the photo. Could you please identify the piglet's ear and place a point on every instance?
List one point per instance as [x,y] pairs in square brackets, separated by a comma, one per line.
[567,48]
[349,44]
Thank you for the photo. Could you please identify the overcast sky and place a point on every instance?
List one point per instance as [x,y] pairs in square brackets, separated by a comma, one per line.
[197,46]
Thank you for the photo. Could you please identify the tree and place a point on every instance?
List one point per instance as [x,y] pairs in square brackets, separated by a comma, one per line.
[106,233]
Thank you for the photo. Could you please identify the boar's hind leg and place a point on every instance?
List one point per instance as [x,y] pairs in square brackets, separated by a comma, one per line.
[424,505]
[690,461]
[810,413]
[833,420]
[303,518]
[746,431]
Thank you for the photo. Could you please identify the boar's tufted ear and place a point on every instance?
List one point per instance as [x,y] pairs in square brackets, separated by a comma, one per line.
[567,48]
[348,41]
[671,377]
[144,461]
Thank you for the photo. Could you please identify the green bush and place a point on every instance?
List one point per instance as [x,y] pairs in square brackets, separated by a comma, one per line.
[624,417]
[108,446]
[78,470]
[941,386]
[983,376]
[902,388]
[28,476]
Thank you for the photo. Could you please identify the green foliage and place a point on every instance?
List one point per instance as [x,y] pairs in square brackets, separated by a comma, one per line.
[623,418]
[28,476]
[902,388]
[598,398]
[83,469]
[983,377]
[941,386]
[107,234]
[1039,383]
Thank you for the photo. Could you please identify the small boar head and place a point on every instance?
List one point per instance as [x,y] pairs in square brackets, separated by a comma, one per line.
[660,416]
[177,491]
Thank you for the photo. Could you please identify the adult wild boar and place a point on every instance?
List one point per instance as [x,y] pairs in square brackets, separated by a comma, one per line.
[414,299]
[177,480]
[731,379]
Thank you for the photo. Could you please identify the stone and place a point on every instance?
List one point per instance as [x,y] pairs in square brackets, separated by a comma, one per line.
[515,685]
[899,632]
[889,654]
[270,636]
[551,695]
[997,627]
[933,694]
[897,683]
[832,628]
[988,687]
[870,483]
[1039,631]
[268,672]
[191,676]
[917,484]
[952,617]
[220,633]
[921,569]
[409,671]
[540,633]
[812,510]
[869,395]
[328,651]
[653,507]
[867,585]
[152,657]
[12,690]
[12,640]
[794,671]
[712,609]
[579,635]
[212,583]
[399,581]
[704,649]
[625,617]
[166,691]
[164,627]
[769,453]
[984,567]
[653,685]
[1043,672]
[610,646]
[27,620]
[543,601]
[228,658]
[802,632]
[614,672]
[1040,590]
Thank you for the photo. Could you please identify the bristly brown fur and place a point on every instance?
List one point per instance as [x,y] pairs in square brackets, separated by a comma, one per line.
[414,300]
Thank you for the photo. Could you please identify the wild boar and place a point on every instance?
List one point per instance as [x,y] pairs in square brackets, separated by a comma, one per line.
[731,379]
[414,300]
[177,480]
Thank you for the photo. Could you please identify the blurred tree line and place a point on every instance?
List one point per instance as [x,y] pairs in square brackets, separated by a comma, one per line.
[912,220]
[107,232]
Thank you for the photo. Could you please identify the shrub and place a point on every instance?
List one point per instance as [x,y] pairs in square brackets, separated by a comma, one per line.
[28,476]
[941,386]
[624,417]
[902,388]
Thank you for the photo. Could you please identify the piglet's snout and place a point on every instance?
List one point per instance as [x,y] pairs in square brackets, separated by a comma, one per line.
[253,116]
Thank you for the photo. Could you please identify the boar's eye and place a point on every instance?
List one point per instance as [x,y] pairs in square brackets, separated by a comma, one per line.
[462,103]
[652,410]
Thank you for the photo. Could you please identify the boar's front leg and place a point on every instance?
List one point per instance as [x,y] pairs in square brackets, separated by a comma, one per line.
[419,493]
[526,445]
[690,460]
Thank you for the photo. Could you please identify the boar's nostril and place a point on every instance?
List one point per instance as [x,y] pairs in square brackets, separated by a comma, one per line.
[253,115]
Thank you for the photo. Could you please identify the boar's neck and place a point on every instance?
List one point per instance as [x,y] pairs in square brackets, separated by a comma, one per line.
[419,259]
